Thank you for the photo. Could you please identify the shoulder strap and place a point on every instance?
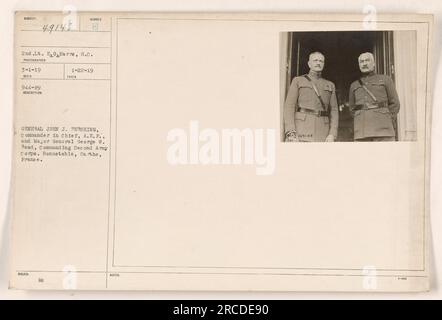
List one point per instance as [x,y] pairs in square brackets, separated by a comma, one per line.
[316,91]
[368,91]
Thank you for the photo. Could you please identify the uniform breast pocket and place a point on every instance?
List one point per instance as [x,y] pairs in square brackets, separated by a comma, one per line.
[305,90]
[306,96]
[326,96]
[359,94]
[379,91]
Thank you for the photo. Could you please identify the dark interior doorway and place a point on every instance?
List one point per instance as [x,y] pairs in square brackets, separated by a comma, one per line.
[341,50]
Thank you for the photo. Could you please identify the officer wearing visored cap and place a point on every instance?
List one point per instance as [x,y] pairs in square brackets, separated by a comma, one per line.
[311,109]
[374,103]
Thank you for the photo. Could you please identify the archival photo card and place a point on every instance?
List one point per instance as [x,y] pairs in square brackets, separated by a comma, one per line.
[162,151]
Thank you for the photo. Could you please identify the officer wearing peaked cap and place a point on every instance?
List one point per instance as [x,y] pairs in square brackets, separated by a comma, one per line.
[374,103]
[311,109]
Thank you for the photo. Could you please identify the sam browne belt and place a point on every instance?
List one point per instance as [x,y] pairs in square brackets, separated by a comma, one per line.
[318,113]
[369,106]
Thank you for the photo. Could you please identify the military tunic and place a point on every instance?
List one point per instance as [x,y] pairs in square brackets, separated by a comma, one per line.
[308,126]
[376,122]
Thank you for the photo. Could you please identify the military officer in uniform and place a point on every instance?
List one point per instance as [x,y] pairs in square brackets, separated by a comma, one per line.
[311,109]
[374,103]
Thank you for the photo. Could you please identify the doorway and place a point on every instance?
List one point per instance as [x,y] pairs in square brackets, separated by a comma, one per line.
[341,50]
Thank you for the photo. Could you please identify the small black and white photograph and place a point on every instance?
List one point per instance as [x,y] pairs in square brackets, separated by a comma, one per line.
[339,86]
